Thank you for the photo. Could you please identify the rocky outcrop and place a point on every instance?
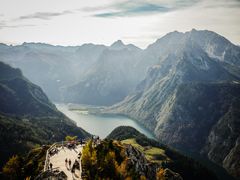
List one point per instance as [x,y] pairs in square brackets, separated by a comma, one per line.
[137,160]
[145,168]
[52,175]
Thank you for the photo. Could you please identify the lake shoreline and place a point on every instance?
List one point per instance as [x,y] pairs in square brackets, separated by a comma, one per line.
[93,120]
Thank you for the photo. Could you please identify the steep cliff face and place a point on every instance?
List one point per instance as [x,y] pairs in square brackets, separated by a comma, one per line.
[190,95]
[205,118]
[217,46]
[140,164]
[223,142]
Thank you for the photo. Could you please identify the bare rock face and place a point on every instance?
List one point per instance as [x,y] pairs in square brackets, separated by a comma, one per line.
[145,168]
[223,143]
[138,160]
[231,161]
[52,175]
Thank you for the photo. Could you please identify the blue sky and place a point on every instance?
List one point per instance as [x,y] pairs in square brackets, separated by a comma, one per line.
[140,22]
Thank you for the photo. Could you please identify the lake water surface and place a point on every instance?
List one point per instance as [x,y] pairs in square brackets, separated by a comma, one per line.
[99,124]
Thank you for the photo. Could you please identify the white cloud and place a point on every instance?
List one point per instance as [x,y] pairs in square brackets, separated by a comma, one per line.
[80,26]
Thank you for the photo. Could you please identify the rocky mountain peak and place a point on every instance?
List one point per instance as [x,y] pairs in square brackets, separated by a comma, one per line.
[118,45]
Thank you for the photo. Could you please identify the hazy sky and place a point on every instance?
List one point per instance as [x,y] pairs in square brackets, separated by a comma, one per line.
[141,22]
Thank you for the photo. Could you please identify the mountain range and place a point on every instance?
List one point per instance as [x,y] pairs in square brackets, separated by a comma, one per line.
[185,87]
[51,67]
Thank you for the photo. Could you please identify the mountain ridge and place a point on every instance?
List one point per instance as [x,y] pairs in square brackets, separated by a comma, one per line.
[184,74]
